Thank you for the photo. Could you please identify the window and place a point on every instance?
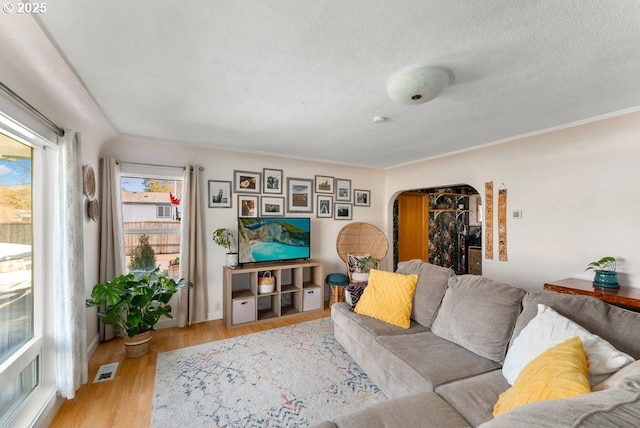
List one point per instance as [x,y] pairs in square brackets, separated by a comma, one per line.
[164,212]
[26,364]
[151,213]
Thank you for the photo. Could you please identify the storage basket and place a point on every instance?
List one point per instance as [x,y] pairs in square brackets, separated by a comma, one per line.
[266,283]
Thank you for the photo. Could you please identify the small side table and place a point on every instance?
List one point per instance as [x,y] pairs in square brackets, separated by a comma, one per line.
[626,297]
[336,282]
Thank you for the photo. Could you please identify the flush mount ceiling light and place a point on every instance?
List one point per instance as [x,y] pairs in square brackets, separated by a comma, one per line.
[417,86]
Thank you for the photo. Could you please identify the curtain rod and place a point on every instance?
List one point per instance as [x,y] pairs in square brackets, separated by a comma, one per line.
[154,164]
[31,109]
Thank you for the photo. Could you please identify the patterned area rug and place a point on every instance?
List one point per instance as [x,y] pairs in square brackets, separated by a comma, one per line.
[287,377]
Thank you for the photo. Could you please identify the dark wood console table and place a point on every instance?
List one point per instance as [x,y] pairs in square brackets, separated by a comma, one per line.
[625,297]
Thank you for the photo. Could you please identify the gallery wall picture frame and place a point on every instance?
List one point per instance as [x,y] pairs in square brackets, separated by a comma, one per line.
[272,206]
[299,195]
[324,206]
[272,180]
[219,194]
[247,206]
[342,211]
[246,182]
[343,189]
[361,198]
[324,184]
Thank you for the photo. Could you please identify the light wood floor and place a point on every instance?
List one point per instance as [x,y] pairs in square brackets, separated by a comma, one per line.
[126,401]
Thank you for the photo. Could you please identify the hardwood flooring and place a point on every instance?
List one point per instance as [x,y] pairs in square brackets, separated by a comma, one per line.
[126,401]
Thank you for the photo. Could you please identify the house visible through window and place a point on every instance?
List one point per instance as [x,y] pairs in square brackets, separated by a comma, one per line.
[151,213]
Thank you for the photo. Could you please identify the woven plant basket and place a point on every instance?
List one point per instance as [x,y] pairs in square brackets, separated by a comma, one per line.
[266,283]
[138,345]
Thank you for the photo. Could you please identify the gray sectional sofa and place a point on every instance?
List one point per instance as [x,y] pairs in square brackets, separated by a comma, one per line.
[445,370]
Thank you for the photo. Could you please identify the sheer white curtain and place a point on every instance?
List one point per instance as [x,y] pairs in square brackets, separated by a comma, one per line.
[192,305]
[112,257]
[69,287]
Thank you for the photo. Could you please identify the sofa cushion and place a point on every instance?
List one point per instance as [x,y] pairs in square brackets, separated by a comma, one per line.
[388,297]
[559,372]
[420,362]
[549,328]
[614,408]
[621,378]
[474,397]
[617,326]
[426,409]
[432,284]
[479,314]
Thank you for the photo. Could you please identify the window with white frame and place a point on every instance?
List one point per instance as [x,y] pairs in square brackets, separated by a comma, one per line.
[27,373]
[151,214]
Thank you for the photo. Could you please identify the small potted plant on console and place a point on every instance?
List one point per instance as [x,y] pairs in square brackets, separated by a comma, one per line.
[223,237]
[605,272]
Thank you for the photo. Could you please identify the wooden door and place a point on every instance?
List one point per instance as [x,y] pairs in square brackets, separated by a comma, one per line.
[413,226]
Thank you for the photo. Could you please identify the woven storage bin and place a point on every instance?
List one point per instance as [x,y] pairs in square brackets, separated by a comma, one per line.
[266,283]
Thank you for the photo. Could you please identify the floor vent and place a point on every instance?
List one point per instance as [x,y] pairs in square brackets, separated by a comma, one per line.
[106,372]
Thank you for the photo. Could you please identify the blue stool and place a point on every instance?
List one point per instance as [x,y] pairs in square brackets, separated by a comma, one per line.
[337,282]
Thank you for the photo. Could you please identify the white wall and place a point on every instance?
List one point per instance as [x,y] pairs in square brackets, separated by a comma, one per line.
[220,164]
[577,189]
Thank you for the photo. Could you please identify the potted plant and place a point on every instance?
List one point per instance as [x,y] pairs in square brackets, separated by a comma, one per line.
[223,237]
[134,303]
[605,272]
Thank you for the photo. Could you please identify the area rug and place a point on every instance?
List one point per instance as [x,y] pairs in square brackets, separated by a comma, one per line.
[292,376]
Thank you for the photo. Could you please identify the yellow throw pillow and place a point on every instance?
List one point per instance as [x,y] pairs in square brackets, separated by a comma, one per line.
[388,297]
[559,372]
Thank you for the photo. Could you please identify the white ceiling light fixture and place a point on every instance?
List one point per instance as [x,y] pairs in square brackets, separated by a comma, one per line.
[417,86]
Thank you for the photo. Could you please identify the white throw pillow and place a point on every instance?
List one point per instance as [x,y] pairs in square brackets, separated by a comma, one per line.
[549,328]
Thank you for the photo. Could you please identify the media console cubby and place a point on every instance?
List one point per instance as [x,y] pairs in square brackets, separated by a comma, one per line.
[299,288]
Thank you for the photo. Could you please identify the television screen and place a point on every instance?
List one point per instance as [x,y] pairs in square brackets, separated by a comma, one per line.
[273,239]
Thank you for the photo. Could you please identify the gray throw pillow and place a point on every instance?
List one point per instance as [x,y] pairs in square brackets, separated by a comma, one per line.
[432,284]
[479,315]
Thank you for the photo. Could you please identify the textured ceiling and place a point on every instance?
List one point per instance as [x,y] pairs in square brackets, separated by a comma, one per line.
[306,78]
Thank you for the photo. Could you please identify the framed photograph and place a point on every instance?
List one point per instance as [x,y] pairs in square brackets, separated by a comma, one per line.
[219,194]
[325,206]
[272,180]
[361,198]
[247,206]
[272,206]
[324,184]
[246,182]
[343,189]
[299,195]
[342,211]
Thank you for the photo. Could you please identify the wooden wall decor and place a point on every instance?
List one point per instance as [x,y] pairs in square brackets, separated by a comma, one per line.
[488,220]
[502,223]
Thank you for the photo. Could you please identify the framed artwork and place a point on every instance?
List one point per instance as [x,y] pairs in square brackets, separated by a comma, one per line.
[343,189]
[246,182]
[361,198]
[247,206]
[219,194]
[342,211]
[272,180]
[324,184]
[299,195]
[325,206]
[272,206]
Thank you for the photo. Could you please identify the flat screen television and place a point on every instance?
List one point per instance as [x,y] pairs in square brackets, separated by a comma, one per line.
[273,239]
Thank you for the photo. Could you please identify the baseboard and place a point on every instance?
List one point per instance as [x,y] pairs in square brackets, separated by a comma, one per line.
[93,345]
[215,315]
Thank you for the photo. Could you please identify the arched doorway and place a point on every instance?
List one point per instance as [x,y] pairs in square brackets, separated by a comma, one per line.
[440,225]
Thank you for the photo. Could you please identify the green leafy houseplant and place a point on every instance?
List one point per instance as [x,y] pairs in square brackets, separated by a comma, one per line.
[135,303]
[605,272]
[223,237]
[605,263]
